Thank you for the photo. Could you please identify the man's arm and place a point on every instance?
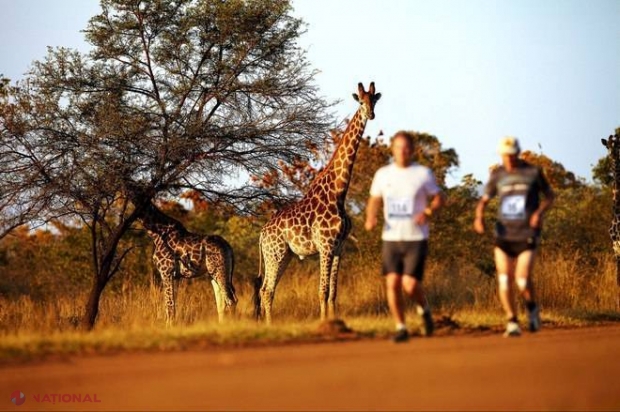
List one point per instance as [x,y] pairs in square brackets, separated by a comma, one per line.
[437,202]
[372,208]
[479,220]
[546,203]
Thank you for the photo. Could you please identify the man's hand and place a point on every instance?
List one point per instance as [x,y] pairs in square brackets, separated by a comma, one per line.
[536,220]
[420,218]
[371,222]
[479,225]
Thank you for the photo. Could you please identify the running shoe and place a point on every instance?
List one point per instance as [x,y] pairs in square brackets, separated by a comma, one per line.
[512,330]
[401,336]
[534,319]
[428,326]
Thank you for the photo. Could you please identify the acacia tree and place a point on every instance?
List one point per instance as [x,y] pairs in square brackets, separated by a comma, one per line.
[372,153]
[174,95]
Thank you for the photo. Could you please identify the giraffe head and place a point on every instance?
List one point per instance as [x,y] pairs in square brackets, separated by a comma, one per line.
[612,143]
[367,100]
[157,222]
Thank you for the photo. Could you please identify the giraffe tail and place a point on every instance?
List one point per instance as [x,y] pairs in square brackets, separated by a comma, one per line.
[258,282]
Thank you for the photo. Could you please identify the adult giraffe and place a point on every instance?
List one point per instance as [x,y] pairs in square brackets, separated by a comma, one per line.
[613,148]
[318,223]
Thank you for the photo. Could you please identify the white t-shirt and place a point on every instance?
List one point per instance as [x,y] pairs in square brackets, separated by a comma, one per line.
[405,192]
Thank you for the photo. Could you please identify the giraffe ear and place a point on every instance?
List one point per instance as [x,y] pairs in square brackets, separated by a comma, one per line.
[355,96]
[604,141]
[377,96]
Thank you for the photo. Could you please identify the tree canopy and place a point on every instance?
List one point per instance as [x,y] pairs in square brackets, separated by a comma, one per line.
[174,95]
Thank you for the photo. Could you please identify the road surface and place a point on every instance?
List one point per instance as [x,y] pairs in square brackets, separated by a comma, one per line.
[568,369]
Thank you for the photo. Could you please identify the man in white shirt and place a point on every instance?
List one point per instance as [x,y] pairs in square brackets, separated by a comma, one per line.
[404,188]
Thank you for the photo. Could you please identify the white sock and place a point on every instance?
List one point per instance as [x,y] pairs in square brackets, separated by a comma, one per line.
[422,309]
[400,326]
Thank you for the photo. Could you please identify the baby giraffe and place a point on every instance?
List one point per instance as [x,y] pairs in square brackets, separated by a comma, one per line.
[179,253]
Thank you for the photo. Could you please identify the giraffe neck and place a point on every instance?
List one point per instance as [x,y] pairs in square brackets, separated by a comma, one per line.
[336,176]
[615,160]
[161,225]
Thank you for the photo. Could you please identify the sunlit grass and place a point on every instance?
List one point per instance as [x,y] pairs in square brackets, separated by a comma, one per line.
[463,301]
[21,346]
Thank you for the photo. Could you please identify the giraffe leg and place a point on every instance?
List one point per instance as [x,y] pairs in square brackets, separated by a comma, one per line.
[274,269]
[168,286]
[220,265]
[228,289]
[333,288]
[326,259]
[219,302]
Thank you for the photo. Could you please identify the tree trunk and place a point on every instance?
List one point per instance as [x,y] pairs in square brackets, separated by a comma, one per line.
[92,306]
[105,263]
[103,272]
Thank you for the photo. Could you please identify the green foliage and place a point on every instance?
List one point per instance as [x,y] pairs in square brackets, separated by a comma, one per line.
[173,95]
[578,222]
[603,172]
[556,174]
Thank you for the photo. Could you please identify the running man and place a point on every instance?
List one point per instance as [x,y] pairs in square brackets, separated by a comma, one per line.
[404,189]
[517,231]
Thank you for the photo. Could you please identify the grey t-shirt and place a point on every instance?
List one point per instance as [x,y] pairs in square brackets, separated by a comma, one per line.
[519,196]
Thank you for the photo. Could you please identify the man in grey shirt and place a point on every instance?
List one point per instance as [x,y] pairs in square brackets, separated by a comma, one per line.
[518,185]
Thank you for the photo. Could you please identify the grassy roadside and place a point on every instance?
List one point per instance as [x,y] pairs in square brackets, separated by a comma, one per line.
[30,347]
[133,319]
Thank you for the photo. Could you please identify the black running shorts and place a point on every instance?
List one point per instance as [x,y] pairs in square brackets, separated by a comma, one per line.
[513,248]
[405,258]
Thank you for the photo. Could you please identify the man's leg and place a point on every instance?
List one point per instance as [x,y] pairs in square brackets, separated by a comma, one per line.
[523,279]
[393,283]
[523,272]
[414,289]
[394,289]
[505,280]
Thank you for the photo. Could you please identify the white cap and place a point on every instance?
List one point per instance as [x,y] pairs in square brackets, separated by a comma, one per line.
[509,146]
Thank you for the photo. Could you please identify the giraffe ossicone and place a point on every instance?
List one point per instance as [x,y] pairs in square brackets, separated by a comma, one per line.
[318,223]
[178,254]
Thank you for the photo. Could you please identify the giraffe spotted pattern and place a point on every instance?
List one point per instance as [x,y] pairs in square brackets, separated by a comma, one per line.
[318,223]
[178,253]
[613,149]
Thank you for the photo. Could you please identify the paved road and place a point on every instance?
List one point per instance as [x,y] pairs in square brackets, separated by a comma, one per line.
[571,369]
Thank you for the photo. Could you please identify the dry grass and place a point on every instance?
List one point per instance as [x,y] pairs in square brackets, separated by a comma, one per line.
[134,318]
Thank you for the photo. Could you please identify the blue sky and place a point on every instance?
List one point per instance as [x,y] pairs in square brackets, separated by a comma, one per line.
[467,71]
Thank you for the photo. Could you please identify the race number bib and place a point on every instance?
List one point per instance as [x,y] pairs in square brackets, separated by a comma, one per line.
[400,207]
[513,207]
